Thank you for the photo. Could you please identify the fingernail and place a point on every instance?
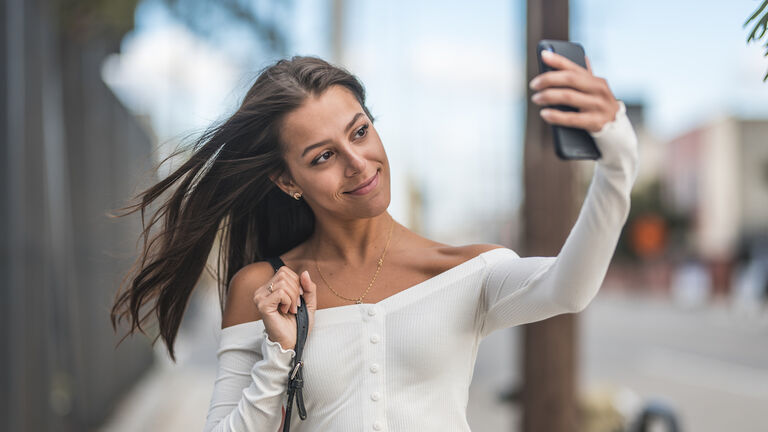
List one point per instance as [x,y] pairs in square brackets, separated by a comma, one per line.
[545,112]
[546,53]
[535,83]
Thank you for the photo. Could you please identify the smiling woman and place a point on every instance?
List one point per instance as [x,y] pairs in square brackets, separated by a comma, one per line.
[298,178]
[227,189]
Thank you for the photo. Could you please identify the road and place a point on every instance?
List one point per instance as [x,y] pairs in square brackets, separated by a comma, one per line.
[710,363]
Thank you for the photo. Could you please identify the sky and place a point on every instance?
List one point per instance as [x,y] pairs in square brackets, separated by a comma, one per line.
[688,60]
[446,81]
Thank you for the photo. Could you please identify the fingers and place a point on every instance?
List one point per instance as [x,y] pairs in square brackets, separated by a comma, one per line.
[564,96]
[568,74]
[284,294]
[294,289]
[591,121]
[283,300]
[559,62]
[284,271]
[581,81]
[309,289]
[576,86]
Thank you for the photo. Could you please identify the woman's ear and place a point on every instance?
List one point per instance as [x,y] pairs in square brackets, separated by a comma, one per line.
[284,182]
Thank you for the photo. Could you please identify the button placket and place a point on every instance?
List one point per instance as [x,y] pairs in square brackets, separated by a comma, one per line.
[373,317]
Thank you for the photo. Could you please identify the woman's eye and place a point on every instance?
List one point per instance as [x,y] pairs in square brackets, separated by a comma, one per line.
[314,162]
[363,129]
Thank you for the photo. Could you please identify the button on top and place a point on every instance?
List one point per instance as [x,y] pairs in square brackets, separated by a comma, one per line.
[377,426]
[375,367]
[375,338]
[375,396]
[372,311]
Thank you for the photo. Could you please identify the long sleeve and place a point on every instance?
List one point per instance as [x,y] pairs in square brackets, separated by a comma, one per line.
[519,290]
[251,381]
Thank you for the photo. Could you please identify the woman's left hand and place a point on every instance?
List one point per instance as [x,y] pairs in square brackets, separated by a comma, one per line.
[574,86]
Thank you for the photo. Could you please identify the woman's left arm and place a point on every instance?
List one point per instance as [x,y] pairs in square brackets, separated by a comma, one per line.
[521,290]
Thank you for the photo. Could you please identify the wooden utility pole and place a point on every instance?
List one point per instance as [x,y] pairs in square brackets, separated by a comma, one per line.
[549,210]
[338,11]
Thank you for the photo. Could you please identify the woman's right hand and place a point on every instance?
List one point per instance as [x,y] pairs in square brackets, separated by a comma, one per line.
[278,309]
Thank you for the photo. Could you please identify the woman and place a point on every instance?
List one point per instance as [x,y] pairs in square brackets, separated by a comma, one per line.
[299,175]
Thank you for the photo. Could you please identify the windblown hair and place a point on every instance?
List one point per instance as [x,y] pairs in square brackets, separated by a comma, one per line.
[224,190]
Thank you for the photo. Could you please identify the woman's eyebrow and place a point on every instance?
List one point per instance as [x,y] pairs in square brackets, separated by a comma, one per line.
[324,142]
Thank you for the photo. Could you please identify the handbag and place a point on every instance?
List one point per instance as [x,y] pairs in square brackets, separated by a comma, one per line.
[295,377]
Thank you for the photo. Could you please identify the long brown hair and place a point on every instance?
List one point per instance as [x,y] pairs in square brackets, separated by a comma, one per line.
[224,190]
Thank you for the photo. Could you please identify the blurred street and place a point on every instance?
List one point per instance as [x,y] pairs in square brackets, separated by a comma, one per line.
[709,364]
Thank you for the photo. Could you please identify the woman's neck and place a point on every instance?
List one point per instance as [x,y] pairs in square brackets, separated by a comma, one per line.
[352,243]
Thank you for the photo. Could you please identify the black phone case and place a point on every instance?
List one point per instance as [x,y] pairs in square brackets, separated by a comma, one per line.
[570,143]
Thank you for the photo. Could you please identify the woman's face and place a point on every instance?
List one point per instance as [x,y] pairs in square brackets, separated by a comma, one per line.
[331,149]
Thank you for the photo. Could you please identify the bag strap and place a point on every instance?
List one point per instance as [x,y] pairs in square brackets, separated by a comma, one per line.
[296,377]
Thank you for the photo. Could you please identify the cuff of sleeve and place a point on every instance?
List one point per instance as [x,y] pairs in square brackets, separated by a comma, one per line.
[618,144]
[275,352]
[613,124]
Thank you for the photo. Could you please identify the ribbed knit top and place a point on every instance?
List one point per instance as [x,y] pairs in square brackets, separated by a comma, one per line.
[405,363]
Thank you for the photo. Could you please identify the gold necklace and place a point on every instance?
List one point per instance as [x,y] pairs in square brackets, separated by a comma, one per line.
[378,268]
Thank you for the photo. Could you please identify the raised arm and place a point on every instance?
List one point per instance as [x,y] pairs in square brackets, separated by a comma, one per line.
[522,290]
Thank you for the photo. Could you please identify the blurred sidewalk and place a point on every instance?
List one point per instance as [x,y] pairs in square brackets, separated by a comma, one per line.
[175,397]
[710,363]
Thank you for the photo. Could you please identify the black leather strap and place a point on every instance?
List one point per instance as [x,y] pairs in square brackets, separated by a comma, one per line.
[296,376]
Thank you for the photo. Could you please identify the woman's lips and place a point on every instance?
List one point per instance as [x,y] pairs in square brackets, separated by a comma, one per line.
[368,187]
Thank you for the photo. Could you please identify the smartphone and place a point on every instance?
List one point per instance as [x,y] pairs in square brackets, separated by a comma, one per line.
[570,143]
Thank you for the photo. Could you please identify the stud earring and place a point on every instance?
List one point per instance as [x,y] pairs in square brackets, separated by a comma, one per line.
[296,195]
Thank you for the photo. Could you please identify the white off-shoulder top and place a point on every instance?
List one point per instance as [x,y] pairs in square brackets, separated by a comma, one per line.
[406,362]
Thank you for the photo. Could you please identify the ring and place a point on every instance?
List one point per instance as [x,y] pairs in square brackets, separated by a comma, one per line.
[269,288]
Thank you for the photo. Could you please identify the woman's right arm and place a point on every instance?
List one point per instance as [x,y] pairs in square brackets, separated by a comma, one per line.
[251,382]
[252,376]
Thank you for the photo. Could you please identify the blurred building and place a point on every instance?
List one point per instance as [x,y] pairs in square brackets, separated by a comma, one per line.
[717,173]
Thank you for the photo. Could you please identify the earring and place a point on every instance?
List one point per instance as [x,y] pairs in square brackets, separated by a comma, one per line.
[296,195]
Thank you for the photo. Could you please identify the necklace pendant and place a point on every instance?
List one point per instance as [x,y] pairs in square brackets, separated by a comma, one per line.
[358,301]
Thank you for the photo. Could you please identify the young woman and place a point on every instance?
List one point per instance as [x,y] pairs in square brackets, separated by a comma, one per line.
[298,175]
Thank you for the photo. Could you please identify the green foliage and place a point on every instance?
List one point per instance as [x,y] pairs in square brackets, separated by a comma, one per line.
[760,24]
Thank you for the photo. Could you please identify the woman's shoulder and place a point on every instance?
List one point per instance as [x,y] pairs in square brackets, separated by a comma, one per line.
[239,307]
[443,256]
[472,250]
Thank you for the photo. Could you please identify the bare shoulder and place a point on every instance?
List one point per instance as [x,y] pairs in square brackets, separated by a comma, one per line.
[467,252]
[425,247]
[429,257]
[438,258]
[239,307]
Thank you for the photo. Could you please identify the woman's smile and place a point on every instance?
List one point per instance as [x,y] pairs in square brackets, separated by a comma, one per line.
[367,187]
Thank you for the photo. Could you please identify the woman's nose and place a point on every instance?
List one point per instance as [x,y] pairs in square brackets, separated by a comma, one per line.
[356,160]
